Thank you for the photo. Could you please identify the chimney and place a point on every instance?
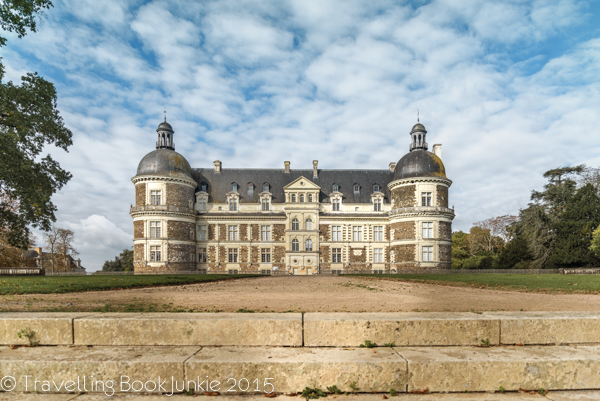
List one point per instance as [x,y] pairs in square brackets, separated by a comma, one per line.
[217,164]
[315,173]
[437,150]
[287,166]
[392,166]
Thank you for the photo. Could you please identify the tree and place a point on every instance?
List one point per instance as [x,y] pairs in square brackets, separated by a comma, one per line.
[595,243]
[515,255]
[481,240]
[59,243]
[28,121]
[574,230]
[123,262]
[500,227]
[459,249]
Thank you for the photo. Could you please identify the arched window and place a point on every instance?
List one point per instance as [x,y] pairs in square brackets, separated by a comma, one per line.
[310,198]
[234,186]
[265,187]
[250,189]
[336,187]
[293,197]
[308,245]
[301,197]
[309,224]
[295,225]
[295,245]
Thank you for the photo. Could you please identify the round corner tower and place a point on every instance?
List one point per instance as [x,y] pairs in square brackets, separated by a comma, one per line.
[420,220]
[164,221]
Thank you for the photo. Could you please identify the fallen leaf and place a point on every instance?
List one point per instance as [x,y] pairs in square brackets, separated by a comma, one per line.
[425,391]
[385,397]
[270,395]
[292,394]
[14,346]
[211,393]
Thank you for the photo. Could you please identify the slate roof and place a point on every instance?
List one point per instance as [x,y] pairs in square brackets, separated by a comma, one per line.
[219,184]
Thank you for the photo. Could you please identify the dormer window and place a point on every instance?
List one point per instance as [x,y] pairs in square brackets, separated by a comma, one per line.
[204,187]
[234,186]
[376,188]
[302,198]
[356,189]
[232,205]
[335,205]
[265,187]
[265,205]
[250,189]
[336,187]
[377,205]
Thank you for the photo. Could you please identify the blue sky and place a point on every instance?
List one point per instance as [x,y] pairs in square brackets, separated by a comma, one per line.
[510,88]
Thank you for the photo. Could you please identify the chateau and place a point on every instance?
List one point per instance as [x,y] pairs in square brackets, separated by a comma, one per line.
[302,222]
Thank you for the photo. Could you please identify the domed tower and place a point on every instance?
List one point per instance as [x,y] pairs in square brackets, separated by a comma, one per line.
[163,216]
[420,220]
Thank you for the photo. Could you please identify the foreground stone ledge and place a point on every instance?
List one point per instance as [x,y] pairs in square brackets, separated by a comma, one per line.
[574,396]
[548,327]
[330,397]
[51,328]
[58,364]
[459,369]
[293,369]
[258,329]
[36,397]
[402,329]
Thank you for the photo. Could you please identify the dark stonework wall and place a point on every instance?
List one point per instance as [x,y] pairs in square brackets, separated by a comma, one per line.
[404,253]
[243,232]
[255,256]
[325,254]
[222,232]
[212,232]
[255,235]
[212,257]
[404,230]
[140,194]
[278,232]
[404,196]
[324,232]
[138,257]
[138,229]
[362,258]
[243,257]
[179,195]
[445,230]
[222,254]
[442,195]
[181,253]
[445,253]
[180,230]
[278,256]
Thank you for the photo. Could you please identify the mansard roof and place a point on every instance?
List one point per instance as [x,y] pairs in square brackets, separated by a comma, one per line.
[219,184]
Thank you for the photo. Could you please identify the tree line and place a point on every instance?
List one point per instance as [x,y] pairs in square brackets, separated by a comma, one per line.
[560,227]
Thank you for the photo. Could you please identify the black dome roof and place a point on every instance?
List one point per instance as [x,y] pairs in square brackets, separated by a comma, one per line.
[165,126]
[419,163]
[165,162]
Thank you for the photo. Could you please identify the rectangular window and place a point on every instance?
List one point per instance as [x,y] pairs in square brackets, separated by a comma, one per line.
[336,233]
[155,229]
[265,255]
[356,190]
[425,198]
[428,230]
[378,233]
[233,255]
[202,230]
[427,254]
[233,271]
[232,232]
[233,206]
[336,255]
[155,253]
[202,205]
[377,205]
[378,255]
[356,233]
[155,197]
[265,204]
[265,233]
[202,256]
[250,190]
[266,272]
[335,205]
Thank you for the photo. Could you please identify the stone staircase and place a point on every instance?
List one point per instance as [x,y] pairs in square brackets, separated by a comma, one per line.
[472,356]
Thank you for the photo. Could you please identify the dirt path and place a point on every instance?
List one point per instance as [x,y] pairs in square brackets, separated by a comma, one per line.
[308,294]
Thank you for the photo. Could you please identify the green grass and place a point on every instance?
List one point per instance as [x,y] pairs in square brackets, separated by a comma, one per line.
[545,283]
[10,285]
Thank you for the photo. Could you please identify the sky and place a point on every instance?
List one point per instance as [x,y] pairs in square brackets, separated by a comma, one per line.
[510,89]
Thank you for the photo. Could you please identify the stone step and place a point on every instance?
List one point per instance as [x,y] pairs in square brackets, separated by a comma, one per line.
[256,370]
[296,330]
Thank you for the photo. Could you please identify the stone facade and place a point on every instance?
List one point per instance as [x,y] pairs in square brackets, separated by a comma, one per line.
[289,221]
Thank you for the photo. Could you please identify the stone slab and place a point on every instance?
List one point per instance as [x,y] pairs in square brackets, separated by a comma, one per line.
[203,329]
[330,397]
[293,369]
[548,327]
[51,328]
[574,396]
[402,329]
[450,369]
[36,397]
[58,365]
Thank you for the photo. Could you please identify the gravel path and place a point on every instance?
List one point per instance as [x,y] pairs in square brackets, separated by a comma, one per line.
[309,294]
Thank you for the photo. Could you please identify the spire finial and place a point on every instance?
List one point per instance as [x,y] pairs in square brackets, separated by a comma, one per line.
[418,121]
[165,114]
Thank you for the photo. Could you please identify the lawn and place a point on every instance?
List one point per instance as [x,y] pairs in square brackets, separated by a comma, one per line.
[14,285]
[546,283]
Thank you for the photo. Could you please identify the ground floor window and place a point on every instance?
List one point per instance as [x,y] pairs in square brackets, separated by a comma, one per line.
[265,272]
[427,254]
[377,271]
[336,255]
[202,271]
[265,255]
[336,272]
[202,256]
[155,254]
[233,255]
[233,271]
[378,255]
